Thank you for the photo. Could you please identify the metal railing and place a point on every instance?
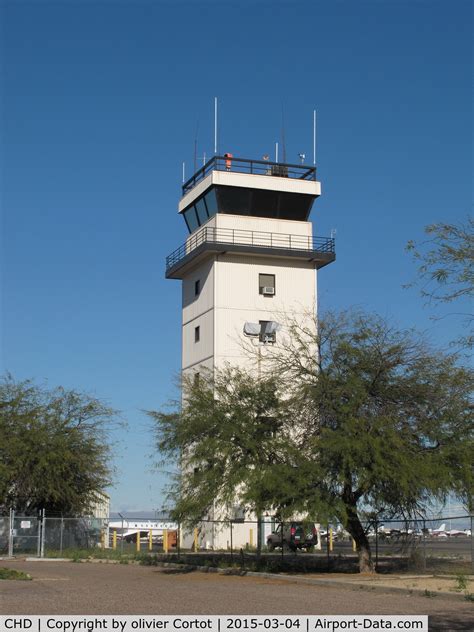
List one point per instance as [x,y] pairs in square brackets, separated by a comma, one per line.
[256,167]
[252,238]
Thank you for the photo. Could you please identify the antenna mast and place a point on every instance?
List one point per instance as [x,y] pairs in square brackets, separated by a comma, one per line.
[314,137]
[215,125]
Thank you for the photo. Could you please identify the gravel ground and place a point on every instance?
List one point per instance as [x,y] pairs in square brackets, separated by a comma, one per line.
[68,588]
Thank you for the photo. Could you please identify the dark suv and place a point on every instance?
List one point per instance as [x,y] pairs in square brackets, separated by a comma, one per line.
[296,535]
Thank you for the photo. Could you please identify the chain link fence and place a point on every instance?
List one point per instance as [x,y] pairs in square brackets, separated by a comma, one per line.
[420,544]
[65,534]
[42,535]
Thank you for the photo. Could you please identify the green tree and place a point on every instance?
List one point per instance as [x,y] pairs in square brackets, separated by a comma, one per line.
[229,427]
[361,420]
[53,448]
[446,266]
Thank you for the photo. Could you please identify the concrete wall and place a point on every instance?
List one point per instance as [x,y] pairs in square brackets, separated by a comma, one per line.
[230,295]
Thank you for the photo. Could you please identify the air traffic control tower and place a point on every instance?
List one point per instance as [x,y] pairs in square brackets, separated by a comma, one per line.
[250,262]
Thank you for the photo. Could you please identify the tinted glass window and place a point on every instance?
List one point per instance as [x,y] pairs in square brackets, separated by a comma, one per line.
[294,206]
[234,200]
[191,219]
[211,202]
[265,203]
[201,211]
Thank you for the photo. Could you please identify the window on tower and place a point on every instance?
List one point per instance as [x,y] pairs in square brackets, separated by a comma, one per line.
[266,284]
[197,334]
[197,287]
[201,211]
[191,219]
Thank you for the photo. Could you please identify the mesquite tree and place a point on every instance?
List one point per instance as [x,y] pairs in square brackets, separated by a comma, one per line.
[362,419]
[54,448]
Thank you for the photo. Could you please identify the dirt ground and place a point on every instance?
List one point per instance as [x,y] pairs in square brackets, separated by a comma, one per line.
[438,585]
[83,588]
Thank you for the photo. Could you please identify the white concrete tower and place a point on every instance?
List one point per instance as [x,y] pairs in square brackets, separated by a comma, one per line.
[249,262]
[250,258]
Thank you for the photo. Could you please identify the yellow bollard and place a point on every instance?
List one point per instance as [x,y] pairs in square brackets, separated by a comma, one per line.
[195,544]
[138,541]
[150,541]
[114,540]
[353,545]
[330,539]
[165,540]
[251,537]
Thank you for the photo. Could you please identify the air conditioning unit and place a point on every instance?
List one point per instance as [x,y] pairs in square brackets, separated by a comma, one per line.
[268,290]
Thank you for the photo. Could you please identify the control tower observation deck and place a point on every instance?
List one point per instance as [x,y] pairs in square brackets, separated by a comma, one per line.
[250,261]
[226,191]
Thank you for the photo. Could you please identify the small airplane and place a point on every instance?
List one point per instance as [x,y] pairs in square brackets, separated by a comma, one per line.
[454,533]
[440,532]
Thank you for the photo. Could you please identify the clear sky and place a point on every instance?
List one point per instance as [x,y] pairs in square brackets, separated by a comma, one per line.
[101,102]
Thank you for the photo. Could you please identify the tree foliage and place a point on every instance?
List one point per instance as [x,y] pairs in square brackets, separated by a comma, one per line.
[446,266]
[374,422]
[228,428]
[53,448]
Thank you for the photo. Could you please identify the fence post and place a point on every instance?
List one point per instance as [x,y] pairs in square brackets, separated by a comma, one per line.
[424,543]
[10,533]
[282,545]
[327,545]
[38,539]
[178,541]
[114,539]
[376,545]
[137,543]
[61,530]
[150,540]
[231,545]
[472,546]
[43,532]
[330,540]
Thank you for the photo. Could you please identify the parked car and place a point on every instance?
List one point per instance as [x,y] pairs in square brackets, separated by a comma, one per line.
[296,535]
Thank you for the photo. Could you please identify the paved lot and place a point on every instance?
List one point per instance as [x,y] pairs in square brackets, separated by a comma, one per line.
[68,588]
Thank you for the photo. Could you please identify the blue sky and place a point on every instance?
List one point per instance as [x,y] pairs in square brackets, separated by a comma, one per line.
[100,106]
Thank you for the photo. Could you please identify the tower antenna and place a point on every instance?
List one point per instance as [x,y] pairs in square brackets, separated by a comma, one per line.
[314,137]
[215,125]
